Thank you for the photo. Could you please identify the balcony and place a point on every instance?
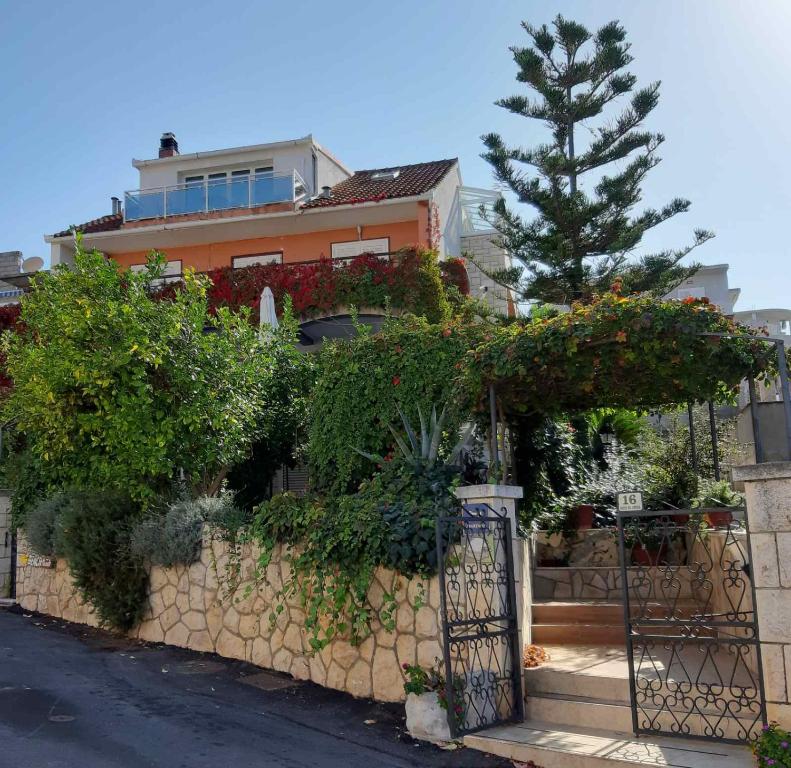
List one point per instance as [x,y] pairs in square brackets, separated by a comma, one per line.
[477,210]
[236,192]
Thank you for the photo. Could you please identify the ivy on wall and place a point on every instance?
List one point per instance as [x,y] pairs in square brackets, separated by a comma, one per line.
[361,384]
[410,280]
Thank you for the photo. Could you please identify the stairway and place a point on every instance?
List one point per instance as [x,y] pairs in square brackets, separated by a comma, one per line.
[578,716]
[572,623]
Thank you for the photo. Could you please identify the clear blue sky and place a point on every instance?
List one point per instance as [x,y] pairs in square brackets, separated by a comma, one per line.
[86,86]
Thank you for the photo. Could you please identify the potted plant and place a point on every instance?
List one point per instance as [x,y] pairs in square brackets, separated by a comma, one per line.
[772,749]
[716,500]
[426,704]
[646,543]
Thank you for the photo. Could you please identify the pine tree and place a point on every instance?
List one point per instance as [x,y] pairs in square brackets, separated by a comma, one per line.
[581,242]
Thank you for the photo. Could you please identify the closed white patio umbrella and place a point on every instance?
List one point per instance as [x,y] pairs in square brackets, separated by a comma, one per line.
[267,315]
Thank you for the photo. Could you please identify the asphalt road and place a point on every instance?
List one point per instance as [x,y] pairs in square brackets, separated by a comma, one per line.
[72,697]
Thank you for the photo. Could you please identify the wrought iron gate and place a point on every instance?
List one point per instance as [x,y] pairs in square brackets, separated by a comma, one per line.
[482,658]
[691,630]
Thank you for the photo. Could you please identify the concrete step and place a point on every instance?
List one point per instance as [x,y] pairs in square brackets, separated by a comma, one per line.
[577,613]
[553,746]
[546,680]
[575,710]
[614,715]
[575,634]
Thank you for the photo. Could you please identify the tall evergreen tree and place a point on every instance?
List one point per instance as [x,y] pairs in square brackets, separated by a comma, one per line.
[581,241]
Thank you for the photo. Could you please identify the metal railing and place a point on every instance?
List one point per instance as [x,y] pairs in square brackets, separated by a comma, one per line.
[477,209]
[248,191]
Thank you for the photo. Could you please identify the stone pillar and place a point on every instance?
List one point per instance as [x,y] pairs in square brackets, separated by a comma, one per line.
[502,499]
[768,496]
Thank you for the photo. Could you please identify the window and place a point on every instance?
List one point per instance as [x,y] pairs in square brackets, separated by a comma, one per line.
[172,271]
[354,248]
[259,258]
[392,173]
[193,180]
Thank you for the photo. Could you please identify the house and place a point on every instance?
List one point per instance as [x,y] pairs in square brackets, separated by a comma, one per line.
[11,270]
[710,281]
[286,202]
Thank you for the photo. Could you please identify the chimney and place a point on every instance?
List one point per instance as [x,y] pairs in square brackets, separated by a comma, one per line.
[168,146]
[116,203]
[326,192]
[10,263]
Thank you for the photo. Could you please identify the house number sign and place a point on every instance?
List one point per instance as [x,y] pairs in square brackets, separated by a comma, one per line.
[630,501]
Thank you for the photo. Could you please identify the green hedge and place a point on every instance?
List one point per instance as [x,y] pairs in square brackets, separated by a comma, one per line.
[362,382]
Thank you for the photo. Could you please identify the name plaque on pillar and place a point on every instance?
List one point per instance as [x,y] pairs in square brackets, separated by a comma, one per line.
[471,516]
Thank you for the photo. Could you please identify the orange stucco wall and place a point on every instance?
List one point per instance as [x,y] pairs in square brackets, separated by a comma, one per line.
[303,247]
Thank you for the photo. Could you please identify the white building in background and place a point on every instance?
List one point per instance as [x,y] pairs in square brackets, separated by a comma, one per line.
[710,281]
[776,322]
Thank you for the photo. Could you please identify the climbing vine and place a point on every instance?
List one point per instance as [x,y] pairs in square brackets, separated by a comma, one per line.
[410,279]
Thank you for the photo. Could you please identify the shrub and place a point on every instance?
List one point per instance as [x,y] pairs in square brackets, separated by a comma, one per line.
[772,748]
[340,541]
[362,383]
[175,536]
[41,524]
[114,389]
[93,533]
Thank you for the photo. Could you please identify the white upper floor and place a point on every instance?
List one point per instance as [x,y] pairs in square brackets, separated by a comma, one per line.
[314,164]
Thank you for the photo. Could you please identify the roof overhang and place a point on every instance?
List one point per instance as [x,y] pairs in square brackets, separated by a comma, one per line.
[173,233]
[251,148]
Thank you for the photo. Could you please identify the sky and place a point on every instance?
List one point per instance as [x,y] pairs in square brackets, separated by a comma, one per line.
[87,86]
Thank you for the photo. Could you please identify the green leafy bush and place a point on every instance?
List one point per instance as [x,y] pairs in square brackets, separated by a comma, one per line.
[114,388]
[339,542]
[410,498]
[362,383]
[41,523]
[93,533]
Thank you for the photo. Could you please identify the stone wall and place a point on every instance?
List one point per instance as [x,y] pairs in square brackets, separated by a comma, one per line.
[189,607]
[483,251]
[768,496]
[5,543]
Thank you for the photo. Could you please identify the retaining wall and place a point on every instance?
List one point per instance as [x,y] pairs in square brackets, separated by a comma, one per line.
[190,607]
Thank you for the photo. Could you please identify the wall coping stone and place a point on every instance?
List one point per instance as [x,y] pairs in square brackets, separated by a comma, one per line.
[488,490]
[771,470]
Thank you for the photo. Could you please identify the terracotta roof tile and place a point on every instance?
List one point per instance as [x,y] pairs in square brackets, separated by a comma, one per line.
[102,224]
[364,187]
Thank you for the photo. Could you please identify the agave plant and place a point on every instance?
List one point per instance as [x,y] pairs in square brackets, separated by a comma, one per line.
[423,447]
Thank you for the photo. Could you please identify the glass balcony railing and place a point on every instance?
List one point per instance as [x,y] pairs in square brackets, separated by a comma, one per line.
[247,191]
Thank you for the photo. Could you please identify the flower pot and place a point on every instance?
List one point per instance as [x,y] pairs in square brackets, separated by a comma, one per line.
[717,517]
[650,555]
[425,718]
[682,520]
[583,517]
[553,562]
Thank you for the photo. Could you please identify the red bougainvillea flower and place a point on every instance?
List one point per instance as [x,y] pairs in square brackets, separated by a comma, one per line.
[689,300]
[396,380]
